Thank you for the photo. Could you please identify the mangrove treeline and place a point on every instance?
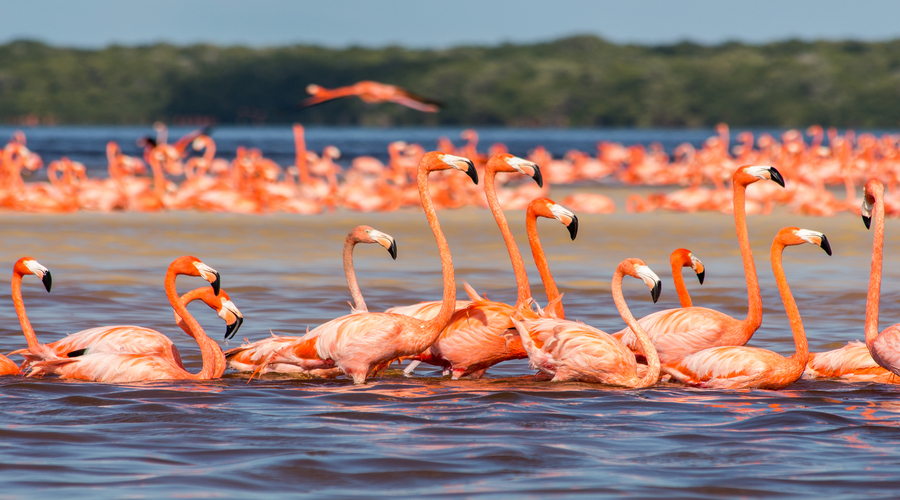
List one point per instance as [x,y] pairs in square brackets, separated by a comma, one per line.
[578,81]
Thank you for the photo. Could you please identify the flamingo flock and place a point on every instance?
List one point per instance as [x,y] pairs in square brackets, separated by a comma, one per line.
[168,177]
[690,345]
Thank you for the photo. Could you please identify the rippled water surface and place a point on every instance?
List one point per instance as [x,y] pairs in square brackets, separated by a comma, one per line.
[508,435]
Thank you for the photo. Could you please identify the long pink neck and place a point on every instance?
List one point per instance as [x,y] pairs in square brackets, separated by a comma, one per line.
[436,324]
[19,305]
[754,299]
[683,296]
[490,190]
[540,261]
[194,330]
[643,339]
[186,299]
[874,296]
[801,356]
[350,274]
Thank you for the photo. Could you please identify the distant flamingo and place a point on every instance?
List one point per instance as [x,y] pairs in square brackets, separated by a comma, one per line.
[569,350]
[679,332]
[683,257]
[737,367]
[358,343]
[371,92]
[129,354]
[877,359]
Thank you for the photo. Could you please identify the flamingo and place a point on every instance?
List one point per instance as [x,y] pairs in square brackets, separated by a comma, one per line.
[359,342]
[738,367]
[569,350]
[682,257]
[479,336]
[679,332]
[249,357]
[873,361]
[126,353]
[371,92]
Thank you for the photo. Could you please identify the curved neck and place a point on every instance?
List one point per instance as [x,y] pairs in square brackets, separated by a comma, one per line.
[359,305]
[754,300]
[643,339]
[540,261]
[801,355]
[490,190]
[874,295]
[19,304]
[683,296]
[193,329]
[436,324]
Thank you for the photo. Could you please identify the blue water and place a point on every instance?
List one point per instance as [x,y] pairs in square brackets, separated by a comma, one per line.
[509,435]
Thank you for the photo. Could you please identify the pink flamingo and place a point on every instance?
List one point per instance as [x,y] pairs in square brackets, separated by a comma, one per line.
[683,257]
[475,338]
[679,332]
[738,367]
[877,359]
[371,92]
[359,343]
[126,353]
[569,350]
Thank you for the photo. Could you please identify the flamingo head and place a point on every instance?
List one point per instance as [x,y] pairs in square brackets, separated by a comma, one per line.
[505,162]
[367,234]
[796,236]
[27,265]
[229,313]
[313,89]
[636,268]
[545,207]
[749,174]
[874,188]
[192,266]
[683,257]
[435,160]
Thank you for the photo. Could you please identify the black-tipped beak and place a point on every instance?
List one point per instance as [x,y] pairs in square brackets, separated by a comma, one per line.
[472,172]
[776,177]
[573,227]
[701,275]
[47,280]
[231,329]
[867,221]
[393,250]
[655,291]
[216,284]
[825,245]
[538,178]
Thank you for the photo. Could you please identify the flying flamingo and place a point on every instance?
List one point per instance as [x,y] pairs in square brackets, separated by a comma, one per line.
[683,257]
[570,350]
[129,354]
[679,332]
[371,92]
[480,335]
[876,360]
[738,367]
[249,357]
[357,343]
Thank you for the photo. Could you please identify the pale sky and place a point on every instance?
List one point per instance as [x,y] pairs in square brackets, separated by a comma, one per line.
[433,24]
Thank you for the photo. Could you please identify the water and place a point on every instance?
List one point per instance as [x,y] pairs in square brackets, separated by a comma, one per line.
[507,435]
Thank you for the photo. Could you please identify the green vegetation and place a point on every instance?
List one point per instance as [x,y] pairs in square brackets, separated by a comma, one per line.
[579,81]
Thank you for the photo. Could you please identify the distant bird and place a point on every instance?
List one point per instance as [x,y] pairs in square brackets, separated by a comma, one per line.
[370,91]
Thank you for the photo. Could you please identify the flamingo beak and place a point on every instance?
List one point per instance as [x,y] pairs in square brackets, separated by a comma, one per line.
[573,227]
[776,176]
[539,179]
[655,291]
[231,329]
[47,281]
[701,275]
[393,250]
[867,221]
[825,245]
[472,172]
[216,283]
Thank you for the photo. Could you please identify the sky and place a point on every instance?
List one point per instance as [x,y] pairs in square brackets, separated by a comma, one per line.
[433,24]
